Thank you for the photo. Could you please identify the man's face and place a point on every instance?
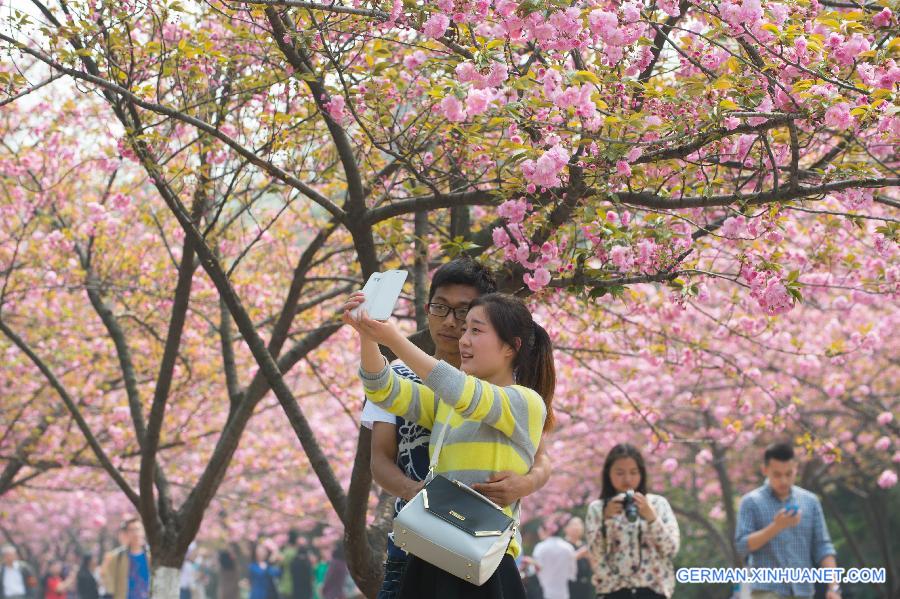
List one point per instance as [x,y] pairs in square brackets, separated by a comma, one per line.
[134,534]
[575,529]
[446,330]
[9,557]
[781,475]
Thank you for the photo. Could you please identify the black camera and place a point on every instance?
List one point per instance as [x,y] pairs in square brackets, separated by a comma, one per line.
[631,510]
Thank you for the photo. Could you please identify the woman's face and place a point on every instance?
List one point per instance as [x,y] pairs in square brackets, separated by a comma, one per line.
[262,554]
[56,568]
[625,475]
[482,353]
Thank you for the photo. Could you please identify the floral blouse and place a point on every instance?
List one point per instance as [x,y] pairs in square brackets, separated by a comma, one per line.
[633,554]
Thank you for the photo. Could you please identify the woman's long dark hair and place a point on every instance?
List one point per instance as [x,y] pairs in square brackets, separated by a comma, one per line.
[226,560]
[615,454]
[533,365]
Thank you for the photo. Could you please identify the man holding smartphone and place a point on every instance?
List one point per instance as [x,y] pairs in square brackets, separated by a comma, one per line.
[400,448]
[781,525]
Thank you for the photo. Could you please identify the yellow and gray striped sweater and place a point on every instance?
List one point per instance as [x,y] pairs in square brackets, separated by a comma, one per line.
[492,428]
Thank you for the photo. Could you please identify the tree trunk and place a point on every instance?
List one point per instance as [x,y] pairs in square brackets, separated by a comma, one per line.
[164,582]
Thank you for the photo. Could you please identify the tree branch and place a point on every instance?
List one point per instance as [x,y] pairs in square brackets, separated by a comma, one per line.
[476,197]
[652,200]
[74,411]
[250,156]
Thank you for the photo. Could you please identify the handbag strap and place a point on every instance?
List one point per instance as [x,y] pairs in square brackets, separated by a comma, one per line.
[440,440]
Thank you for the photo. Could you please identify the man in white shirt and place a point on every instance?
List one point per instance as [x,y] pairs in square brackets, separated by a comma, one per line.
[14,582]
[557,565]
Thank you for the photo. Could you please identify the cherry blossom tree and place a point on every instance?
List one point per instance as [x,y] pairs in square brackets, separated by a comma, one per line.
[718,169]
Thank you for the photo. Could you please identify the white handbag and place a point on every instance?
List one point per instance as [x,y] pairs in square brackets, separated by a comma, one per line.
[452,526]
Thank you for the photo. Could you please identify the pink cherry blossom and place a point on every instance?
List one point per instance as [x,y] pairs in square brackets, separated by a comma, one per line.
[478,101]
[545,171]
[838,116]
[887,479]
[538,280]
[436,25]
[622,258]
[883,19]
[453,109]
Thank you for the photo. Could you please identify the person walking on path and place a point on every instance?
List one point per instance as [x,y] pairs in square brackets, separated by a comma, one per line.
[557,565]
[581,587]
[17,581]
[125,571]
[781,525]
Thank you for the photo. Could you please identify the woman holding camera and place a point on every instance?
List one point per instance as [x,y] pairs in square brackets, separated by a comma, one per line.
[496,407]
[633,536]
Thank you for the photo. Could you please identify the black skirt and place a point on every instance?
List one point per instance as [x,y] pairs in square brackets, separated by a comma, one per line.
[421,580]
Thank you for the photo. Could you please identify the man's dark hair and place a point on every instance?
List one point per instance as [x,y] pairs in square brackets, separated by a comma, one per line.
[128,522]
[293,535]
[783,452]
[463,271]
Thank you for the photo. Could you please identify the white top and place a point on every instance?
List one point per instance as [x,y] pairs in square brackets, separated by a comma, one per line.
[372,413]
[13,580]
[557,565]
[188,576]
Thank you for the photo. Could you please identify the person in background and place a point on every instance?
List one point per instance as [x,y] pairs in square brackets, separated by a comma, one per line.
[556,563]
[125,572]
[632,550]
[17,581]
[319,573]
[188,575]
[781,525]
[296,577]
[334,585]
[264,573]
[581,587]
[55,585]
[229,578]
[85,580]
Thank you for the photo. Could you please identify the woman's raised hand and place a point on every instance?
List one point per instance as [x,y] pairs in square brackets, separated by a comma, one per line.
[384,333]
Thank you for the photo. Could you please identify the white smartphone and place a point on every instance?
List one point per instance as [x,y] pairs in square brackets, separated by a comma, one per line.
[382,291]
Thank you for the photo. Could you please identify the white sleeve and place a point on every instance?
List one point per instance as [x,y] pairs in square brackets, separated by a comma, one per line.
[372,413]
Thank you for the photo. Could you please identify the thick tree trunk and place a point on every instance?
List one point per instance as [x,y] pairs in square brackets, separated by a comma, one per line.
[164,582]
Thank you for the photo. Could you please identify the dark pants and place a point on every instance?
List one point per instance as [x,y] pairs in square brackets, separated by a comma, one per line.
[393,572]
[640,593]
[184,593]
[421,580]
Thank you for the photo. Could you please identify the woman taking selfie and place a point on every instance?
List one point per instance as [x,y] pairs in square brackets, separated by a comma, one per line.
[633,536]
[496,407]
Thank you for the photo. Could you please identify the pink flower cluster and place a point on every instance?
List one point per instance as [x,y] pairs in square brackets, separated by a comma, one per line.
[616,34]
[768,290]
[496,75]
[748,13]
[577,97]
[887,479]
[436,25]
[545,170]
[838,116]
[337,108]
